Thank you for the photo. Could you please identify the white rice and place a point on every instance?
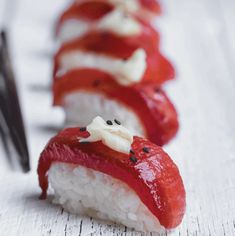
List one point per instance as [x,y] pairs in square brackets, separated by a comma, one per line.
[72,29]
[81,107]
[84,191]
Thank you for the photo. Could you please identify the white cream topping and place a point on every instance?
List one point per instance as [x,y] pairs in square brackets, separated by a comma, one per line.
[120,23]
[133,6]
[128,5]
[114,136]
[126,72]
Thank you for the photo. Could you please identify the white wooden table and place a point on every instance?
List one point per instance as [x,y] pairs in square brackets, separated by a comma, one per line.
[199,37]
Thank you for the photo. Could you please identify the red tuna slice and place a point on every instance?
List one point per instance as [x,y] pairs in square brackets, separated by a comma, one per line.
[151,6]
[158,68]
[154,177]
[150,103]
[88,11]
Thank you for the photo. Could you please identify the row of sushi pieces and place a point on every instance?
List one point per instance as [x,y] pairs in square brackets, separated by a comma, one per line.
[107,76]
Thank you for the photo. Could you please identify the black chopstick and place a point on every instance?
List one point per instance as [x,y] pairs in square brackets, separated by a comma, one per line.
[10,107]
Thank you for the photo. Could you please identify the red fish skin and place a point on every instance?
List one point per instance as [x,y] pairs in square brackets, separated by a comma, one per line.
[154,177]
[146,99]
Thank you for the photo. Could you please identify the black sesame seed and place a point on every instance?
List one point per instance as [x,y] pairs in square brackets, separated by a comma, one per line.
[85,142]
[117,122]
[96,83]
[146,150]
[109,122]
[82,129]
[132,152]
[133,159]
[157,90]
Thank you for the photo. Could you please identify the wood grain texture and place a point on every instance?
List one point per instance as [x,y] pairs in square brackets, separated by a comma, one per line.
[199,37]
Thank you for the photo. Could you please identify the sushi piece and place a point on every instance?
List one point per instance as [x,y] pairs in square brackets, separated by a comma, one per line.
[142,107]
[105,172]
[132,58]
[82,17]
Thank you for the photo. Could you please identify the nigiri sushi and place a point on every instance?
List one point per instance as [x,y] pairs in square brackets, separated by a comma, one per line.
[131,58]
[105,172]
[83,17]
[142,107]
